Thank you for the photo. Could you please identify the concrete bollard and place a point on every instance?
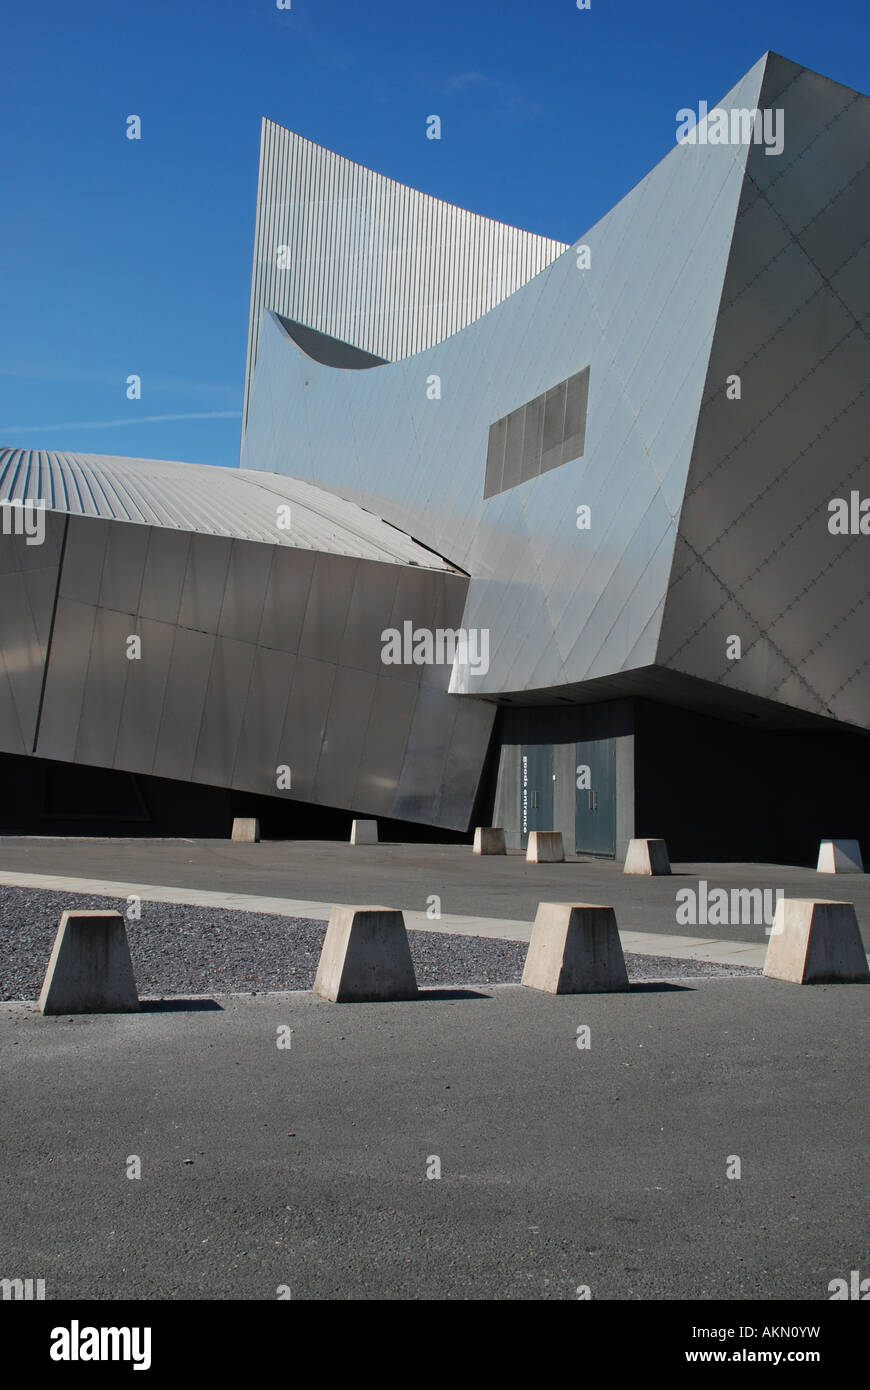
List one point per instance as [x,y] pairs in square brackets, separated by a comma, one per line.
[89,970]
[647,857]
[246,830]
[816,942]
[545,847]
[365,957]
[840,857]
[364,832]
[575,949]
[489,839]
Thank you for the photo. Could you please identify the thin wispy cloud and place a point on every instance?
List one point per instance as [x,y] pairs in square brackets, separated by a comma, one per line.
[125,420]
[508,101]
[23,371]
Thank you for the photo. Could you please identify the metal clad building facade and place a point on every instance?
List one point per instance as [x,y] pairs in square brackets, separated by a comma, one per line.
[370,261]
[581,497]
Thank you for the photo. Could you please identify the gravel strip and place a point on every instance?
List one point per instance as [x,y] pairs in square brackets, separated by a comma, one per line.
[180,950]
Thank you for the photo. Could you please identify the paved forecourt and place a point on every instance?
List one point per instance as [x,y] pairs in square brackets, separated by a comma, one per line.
[493,896]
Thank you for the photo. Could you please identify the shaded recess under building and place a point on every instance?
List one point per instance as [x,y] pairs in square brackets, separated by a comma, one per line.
[455,424]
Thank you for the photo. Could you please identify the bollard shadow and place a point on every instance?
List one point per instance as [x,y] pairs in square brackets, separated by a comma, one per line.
[436,993]
[179,1006]
[657,987]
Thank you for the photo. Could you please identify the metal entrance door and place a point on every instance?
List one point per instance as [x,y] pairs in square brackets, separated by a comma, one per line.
[595,778]
[536,788]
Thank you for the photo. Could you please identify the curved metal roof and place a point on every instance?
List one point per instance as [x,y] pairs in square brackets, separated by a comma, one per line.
[214,501]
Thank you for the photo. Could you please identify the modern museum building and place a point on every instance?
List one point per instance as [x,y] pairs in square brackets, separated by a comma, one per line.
[523,534]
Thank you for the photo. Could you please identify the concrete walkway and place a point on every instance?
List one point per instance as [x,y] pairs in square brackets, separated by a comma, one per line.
[505,929]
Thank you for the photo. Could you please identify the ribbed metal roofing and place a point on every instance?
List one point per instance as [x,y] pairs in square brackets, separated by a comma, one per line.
[370,261]
[214,501]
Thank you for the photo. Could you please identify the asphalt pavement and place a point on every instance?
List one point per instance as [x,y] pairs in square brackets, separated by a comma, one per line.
[407,876]
[304,1167]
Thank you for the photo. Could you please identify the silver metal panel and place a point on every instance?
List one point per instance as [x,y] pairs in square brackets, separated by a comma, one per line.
[202,594]
[384,745]
[329,596]
[65,679]
[229,678]
[163,578]
[286,599]
[103,695]
[12,736]
[372,599]
[20,666]
[83,559]
[245,590]
[349,710]
[421,778]
[306,722]
[183,704]
[465,754]
[260,753]
[144,694]
[28,583]
[124,566]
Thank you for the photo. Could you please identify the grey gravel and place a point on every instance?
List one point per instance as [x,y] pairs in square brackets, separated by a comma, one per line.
[178,949]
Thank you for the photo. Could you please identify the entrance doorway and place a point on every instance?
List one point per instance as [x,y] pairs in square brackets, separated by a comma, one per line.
[595,778]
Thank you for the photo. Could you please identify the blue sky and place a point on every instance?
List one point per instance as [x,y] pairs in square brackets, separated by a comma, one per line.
[125,257]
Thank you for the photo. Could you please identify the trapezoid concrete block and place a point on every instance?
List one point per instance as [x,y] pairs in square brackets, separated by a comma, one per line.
[365,957]
[489,839]
[246,830]
[545,847]
[840,857]
[816,942]
[89,969]
[647,857]
[364,832]
[575,949]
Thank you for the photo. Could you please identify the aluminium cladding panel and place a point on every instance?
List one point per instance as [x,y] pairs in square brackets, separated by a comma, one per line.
[286,598]
[260,751]
[102,700]
[205,578]
[350,706]
[371,261]
[384,744]
[755,557]
[144,693]
[444,760]
[124,562]
[464,763]
[229,680]
[28,583]
[305,724]
[183,704]
[163,578]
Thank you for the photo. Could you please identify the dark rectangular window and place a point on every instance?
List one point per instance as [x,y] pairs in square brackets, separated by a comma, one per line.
[542,434]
